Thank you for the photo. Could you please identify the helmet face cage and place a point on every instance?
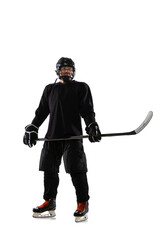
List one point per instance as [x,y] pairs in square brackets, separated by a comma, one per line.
[65,62]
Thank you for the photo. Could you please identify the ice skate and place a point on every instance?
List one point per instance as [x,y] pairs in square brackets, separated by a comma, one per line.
[47,209]
[81,212]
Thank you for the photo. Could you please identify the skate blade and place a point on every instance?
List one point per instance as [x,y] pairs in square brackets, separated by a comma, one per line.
[46,214]
[81,219]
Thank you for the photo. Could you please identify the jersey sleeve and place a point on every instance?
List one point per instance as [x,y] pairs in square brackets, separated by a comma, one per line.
[86,105]
[43,109]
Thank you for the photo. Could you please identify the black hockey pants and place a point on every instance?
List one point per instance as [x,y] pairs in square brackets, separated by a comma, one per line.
[79,180]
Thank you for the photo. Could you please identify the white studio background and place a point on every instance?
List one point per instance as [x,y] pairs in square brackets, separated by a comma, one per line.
[115,46]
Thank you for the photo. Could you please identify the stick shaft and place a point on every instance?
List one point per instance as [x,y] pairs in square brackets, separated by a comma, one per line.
[86,136]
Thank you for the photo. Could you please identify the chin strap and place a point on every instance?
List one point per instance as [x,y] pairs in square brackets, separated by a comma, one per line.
[56,80]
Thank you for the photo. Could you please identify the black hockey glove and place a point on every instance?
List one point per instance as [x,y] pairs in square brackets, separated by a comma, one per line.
[31,135]
[93,131]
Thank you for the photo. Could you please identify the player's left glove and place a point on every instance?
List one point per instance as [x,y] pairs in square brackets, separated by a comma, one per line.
[94,132]
[31,135]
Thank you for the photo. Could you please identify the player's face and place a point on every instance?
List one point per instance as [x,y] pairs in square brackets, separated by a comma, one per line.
[66,71]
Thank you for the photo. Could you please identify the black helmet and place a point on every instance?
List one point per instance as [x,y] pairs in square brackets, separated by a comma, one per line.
[65,62]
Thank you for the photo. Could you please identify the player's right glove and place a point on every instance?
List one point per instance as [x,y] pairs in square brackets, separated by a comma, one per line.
[94,132]
[31,135]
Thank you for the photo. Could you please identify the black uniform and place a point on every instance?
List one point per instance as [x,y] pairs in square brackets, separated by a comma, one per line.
[66,104]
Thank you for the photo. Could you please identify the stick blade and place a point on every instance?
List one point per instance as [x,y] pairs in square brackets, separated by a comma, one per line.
[145,122]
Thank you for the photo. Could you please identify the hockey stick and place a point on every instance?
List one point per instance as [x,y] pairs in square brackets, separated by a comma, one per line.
[136,131]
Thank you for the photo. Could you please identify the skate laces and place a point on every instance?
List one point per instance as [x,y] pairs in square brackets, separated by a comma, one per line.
[44,204]
[81,206]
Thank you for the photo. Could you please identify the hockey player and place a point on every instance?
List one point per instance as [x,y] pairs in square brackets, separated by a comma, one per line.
[65,102]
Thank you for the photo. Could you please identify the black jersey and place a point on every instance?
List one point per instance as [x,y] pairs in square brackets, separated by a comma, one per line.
[66,104]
